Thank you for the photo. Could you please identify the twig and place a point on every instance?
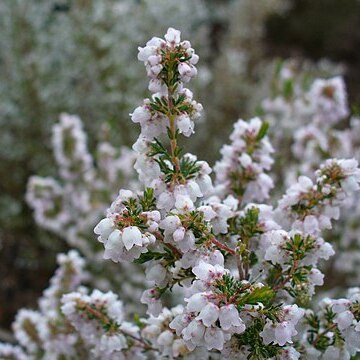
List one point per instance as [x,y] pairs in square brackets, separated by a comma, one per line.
[222,246]
[329,328]
[159,236]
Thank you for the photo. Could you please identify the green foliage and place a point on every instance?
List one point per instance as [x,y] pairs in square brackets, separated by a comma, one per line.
[298,247]
[257,349]
[317,334]
[246,226]
[188,168]
[295,278]
[194,221]
[147,200]
[262,131]
[240,179]
[288,88]
[243,293]
[258,295]
[134,208]
[168,255]
[160,104]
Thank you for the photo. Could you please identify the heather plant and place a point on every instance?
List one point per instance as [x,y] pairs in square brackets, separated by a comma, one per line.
[313,115]
[243,272]
[76,56]
[73,204]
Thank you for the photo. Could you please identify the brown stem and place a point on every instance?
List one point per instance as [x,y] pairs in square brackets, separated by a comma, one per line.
[232,299]
[318,337]
[240,267]
[243,262]
[222,246]
[287,278]
[246,269]
[173,142]
[104,319]
[160,237]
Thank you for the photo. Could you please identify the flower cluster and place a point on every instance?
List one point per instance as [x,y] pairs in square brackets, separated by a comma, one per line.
[241,275]
[313,138]
[45,333]
[200,240]
[129,227]
[69,143]
[284,330]
[293,259]
[99,320]
[329,100]
[333,330]
[311,206]
[12,352]
[157,53]
[164,338]
[244,163]
[209,318]
[70,206]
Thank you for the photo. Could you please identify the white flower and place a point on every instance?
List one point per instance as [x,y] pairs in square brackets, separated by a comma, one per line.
[209,314]
[185,125]
[179,234]
[114,246]
[112,343]
[104,228]
[194,331]
[334,353]
[214,338]
[316,277]
[329,99]
[183,203]
[229,317]
[196,302]
[131,236]
[140,115]
[151,299]
[283,333]
[173,36]
[165,338]
[170,224]
[156,273]
[344,319]
[208,272]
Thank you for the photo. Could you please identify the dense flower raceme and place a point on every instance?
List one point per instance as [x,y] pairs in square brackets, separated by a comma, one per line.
[182,242]
[334,327]
[73,323]
[245,162]
[72,204]
[299,107]
[312,206]
[308,114]
[45,333]
[240,274]
[99,320]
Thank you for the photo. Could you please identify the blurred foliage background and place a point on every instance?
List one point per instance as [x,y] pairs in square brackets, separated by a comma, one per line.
[79,56]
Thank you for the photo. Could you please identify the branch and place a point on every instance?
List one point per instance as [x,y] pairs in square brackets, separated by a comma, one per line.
[222,246]
[318,337]
[160,237]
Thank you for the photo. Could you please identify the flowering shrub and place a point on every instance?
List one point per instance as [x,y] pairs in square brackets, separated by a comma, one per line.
[71,206]
[243,274]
